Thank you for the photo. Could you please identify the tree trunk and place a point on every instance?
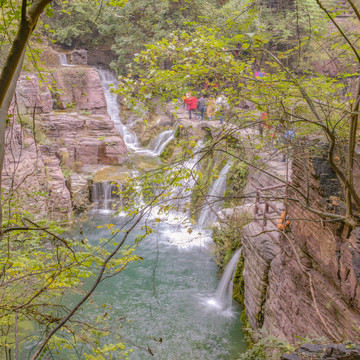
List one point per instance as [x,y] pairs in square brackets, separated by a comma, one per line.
[11,70]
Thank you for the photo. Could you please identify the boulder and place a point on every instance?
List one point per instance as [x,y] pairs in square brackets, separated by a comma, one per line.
[324,352]
[80,192]
[78,57]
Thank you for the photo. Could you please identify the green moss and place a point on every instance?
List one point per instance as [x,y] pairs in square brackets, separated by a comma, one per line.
[235,185]
[172,150]
[239,284]
[210,168]
[115,173]
[66,171]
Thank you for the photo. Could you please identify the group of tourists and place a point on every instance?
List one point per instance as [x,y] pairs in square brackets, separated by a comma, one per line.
[214,108]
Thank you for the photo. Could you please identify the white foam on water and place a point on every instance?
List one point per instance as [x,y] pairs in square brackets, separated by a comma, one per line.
[221,302]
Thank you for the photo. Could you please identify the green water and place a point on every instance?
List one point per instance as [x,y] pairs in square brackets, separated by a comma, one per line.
[166,296]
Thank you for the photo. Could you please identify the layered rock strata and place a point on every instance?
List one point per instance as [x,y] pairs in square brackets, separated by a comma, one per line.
[64,127]
[305,283]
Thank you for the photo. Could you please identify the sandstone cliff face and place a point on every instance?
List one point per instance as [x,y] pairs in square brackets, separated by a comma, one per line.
[33,178]
[66,113]
[307,283]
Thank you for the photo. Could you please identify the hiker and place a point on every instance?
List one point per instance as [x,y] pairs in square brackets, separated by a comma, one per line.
[210,109]
[220,106]
[259,74]
[201,106]
[191,104]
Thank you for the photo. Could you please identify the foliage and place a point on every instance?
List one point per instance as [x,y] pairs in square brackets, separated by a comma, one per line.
[309,104]
[270,347]
[264,349]
[41,265]
[182,56]
[127,27]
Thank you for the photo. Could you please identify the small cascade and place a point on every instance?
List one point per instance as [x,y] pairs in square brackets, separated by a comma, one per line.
[158,144]
[63,59]
[162,140]
[181,194]
[213,205]
[108,79]
[223,296]
[105,195]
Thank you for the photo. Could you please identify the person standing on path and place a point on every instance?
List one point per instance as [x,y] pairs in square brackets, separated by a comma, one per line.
[191,104]
[220,106]
[201,106]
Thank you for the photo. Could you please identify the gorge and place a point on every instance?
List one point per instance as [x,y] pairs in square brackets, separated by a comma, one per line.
[118,208]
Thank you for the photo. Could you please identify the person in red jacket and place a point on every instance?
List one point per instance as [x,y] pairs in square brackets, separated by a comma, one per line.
[191,104]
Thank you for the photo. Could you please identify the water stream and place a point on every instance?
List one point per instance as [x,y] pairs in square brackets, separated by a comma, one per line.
[213,201]
[63,60]
[105,195]
[174,294]
[107,79]
[223,296]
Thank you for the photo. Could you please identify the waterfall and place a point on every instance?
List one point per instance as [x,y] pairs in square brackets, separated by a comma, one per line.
[216,191]
[159,143]
[182,193]
[131,141]
[107,79]
[104,195]
[63,59]
[223,296]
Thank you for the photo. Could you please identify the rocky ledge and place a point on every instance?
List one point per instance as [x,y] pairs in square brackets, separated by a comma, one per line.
[329,352]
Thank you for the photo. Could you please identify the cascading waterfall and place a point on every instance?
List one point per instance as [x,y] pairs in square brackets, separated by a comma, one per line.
[215,193]
[162,140]
[159,143]
[131,141]
[183,192]
[180,227]
[104,195]
[63,59]
[223,296]
[183,279]
[107,79]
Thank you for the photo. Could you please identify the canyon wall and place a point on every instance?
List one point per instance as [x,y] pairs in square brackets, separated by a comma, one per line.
[305,283]
[59,133]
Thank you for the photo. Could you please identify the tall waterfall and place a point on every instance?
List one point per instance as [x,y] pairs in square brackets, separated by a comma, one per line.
[223,296]
[213,203]
[131,141]
[107,79]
